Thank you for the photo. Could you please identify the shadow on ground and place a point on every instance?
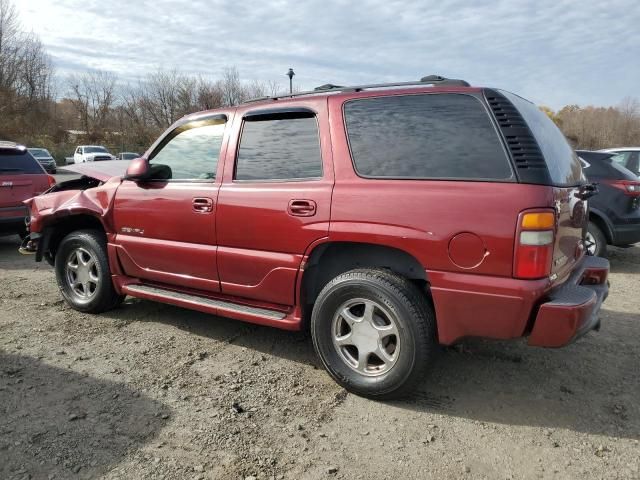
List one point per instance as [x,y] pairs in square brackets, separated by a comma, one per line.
[591,386]
[55,421]
[11,259]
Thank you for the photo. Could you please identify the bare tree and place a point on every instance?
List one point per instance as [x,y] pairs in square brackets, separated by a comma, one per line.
[600,127]
[9,44]
[93,95]
[26,78]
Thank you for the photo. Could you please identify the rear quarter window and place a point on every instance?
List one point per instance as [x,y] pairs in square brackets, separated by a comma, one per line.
[431,136]
[18,163]
[562,162]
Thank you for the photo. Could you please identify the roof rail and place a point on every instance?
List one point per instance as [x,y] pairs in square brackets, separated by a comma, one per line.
[329,87]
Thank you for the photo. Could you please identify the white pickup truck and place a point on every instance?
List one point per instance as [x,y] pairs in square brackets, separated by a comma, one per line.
[91,153]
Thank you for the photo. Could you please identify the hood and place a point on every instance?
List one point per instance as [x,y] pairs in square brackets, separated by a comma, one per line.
[102,171]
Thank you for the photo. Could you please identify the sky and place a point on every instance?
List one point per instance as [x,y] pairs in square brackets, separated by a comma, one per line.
[553,52]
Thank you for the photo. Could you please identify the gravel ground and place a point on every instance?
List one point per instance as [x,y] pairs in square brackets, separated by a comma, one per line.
[153,391]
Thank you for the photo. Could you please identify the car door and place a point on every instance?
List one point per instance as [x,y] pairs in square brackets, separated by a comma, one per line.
[275,199]
[165,227]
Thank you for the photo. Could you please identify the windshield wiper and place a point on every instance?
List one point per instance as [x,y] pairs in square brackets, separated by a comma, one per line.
[10,170]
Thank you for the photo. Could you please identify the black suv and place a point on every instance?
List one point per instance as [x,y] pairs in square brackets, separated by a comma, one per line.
[614,214]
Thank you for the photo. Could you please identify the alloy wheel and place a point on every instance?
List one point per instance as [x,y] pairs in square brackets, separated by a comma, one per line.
[590,244]
[81,271]
[365,334]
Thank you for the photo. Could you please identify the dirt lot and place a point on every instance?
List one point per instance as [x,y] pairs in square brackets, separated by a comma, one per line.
[153,391]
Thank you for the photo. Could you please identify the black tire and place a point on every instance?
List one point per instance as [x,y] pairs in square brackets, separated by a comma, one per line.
[415,325]
[595,235]
[103,296]
[53,172]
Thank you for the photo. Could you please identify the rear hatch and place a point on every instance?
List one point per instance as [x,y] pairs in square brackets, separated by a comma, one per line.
[21,177]
[543,156]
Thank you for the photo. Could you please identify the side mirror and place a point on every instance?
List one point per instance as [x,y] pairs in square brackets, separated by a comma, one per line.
[137,170]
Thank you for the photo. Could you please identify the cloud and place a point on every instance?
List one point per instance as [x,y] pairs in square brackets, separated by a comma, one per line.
[554,52]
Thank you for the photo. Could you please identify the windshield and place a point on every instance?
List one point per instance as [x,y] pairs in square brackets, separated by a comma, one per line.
[39,152]
[562,162]
[95,150]
[129,156]
[18,162]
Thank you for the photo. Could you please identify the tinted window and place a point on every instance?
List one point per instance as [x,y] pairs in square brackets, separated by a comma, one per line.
[95,150]
[279,149]
[39,152]
[192,151]
[15,162]
[562,162]
[425,136]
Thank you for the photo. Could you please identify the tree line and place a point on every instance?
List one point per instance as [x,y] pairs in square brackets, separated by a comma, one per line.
[40,108]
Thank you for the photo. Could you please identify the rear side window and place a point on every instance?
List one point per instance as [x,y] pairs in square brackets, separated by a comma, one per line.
[285,147]
[433,136]
[18,163]
[562,162]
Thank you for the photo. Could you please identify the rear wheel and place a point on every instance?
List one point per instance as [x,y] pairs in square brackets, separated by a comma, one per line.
[82,271]
[595,242]
[374,332]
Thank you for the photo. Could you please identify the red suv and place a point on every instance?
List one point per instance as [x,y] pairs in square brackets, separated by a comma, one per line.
[21,177]
[386,219]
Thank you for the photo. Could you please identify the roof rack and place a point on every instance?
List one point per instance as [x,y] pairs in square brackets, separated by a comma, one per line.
[6,145]
[329,87]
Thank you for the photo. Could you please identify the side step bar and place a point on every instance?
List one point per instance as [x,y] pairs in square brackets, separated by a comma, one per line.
[247,313]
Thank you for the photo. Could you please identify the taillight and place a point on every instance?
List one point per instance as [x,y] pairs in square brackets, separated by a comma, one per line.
[51,180]
[629,187]
[534,244]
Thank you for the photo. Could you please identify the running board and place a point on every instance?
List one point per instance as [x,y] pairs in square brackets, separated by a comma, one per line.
[209,305]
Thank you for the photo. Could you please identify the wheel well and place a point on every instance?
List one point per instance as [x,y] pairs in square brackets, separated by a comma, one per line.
[329,260]
[60,229]
[602,225]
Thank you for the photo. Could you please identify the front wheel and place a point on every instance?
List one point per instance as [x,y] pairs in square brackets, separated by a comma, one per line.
[83,274]
[374,332]
[595,242]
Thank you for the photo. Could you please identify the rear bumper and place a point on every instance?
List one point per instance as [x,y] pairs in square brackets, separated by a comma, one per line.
[12,219]
[626,234]
[572,309]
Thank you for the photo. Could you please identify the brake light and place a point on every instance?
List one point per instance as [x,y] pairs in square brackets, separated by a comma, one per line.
[51,180]
[534,244]
[629,187]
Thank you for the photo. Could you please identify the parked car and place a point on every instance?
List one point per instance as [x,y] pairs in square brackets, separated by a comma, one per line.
[614,214]
[385,219]
[628,157]
[91,153]
[44,158]
[127,156]
[21,177]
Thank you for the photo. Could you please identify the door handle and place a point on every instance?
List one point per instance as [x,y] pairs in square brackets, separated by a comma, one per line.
[202,205]
[302,208]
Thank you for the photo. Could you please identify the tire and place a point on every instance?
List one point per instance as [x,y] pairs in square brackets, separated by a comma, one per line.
[82,257]
[400,311]
[53,172]
[595,241]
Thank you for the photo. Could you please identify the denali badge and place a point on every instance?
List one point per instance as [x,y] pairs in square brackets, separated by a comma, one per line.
[138,231]
[7,184]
